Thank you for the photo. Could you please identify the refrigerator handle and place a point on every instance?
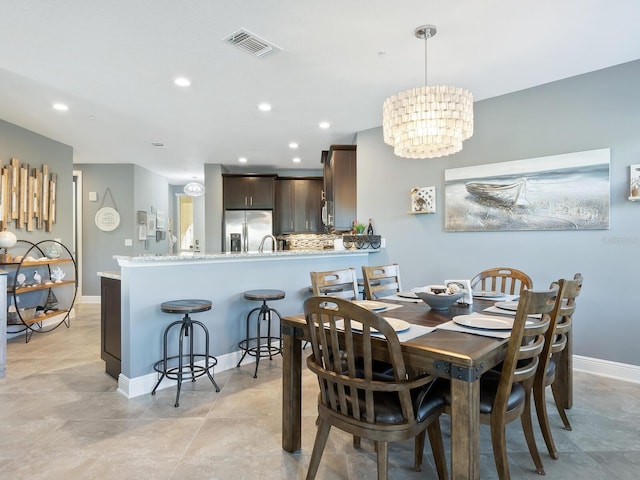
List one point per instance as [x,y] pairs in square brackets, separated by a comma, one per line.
[245,239]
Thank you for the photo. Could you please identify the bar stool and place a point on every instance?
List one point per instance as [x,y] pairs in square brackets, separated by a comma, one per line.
[259,349]
[186,361]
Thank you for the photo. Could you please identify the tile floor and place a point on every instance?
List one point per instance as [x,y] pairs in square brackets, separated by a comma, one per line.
[62,418]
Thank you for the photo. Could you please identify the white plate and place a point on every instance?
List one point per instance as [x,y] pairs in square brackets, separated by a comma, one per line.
[371,305]
[488,294]
[486,322]
[397,325]
[511,306]
[407,295]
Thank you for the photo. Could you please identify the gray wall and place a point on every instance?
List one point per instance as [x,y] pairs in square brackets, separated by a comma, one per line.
[133,188]
[36,150]
[591,111]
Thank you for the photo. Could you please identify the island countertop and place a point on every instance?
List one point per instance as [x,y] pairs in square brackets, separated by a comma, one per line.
[148,260]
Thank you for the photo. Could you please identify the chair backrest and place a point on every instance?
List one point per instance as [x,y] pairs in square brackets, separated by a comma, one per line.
[561,318]
[526,342]
[342,358]
[379,279]
[502,279]
[337,283]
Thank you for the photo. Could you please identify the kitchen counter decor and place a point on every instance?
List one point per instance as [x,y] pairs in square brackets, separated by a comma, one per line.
[361,241]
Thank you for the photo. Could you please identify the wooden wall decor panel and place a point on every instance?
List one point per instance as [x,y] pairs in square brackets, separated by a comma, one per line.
[28,196]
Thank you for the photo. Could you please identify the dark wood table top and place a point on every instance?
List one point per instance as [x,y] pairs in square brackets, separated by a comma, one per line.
[472,352]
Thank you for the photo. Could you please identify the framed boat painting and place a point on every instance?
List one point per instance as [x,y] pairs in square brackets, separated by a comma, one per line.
[560,192]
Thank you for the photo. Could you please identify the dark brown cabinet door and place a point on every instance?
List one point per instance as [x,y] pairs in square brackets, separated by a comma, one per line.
[110,324]
[298,205]
[285,204]
[313,205]
[248,192]
[341,185]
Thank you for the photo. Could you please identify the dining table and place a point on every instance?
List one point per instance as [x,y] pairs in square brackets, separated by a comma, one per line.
[460,357]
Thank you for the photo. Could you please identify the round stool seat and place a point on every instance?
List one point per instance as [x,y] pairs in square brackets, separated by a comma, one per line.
[186,306]
[262,295]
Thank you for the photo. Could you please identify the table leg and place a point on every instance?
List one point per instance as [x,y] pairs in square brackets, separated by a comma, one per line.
[465,430]
[291,391]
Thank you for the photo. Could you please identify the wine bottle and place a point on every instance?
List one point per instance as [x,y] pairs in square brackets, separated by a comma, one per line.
[370,227]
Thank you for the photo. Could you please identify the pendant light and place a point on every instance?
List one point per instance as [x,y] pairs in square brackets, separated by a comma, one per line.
[194,189]
[427,122]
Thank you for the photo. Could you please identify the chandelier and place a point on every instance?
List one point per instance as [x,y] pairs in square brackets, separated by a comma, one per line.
[427,122]
[194,189]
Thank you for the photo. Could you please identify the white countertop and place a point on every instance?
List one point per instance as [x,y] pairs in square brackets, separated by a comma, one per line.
[115,275]
[147,260]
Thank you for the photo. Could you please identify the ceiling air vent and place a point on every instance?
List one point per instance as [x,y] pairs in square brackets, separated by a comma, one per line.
[251,43]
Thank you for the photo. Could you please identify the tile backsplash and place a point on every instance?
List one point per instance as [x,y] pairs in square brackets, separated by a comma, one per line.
[310,241]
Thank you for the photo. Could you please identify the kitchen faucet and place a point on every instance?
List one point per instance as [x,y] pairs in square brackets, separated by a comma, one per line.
[273,239]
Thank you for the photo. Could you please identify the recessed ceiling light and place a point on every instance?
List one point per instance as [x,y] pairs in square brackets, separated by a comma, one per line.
[265,107]
[324,124]
[61,107]
[242,159]
[296,160]
[293,145]
[182,82]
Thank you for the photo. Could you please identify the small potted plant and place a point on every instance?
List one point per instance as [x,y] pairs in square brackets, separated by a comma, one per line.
[360,228]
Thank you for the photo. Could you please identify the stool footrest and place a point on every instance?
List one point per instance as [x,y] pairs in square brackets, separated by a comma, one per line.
[260,349]
[174,372]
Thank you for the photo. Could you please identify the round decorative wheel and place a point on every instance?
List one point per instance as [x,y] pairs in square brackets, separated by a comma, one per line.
[362,241]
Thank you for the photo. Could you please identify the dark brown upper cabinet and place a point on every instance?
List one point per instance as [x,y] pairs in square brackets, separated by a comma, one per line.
[248,192]
[340,187]
[298,205]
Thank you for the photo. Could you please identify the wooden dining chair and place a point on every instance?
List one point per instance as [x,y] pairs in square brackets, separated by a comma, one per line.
[357,399]
[555,344]
[382,279]
[502,279]
[337,283]
[505,394]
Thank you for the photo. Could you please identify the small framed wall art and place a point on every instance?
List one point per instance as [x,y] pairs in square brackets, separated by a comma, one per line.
[423,200]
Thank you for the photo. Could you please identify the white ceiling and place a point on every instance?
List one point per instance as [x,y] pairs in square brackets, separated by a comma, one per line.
[113,63]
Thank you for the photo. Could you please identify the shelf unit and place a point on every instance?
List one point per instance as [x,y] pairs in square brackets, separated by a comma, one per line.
[37,296]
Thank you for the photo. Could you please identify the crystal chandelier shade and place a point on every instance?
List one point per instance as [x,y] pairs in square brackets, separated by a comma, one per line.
[427,122]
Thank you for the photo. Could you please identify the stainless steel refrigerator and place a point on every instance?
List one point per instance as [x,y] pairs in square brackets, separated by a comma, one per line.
[251,225]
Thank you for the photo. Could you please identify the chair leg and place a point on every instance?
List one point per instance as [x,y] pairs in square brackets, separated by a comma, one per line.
[437,448]
[558,402]
[543,420]
[527,427]
[419,451]
[499,444]
[382,450]
[318,447]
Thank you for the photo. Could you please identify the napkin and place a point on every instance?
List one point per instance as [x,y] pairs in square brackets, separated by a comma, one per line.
[502,311]
[454,327]
[398,298]
[414,331]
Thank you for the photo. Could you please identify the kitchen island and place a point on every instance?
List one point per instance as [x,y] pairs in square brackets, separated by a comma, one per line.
[147,281]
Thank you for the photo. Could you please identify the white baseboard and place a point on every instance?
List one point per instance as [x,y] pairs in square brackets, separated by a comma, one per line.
[137,386]
[134,387]
[606,368]
[88,299]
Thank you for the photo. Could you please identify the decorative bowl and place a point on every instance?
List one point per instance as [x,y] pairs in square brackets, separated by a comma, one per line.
[438,301]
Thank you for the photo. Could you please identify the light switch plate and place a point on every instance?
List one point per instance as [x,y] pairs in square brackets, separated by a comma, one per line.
[93,196]
[128,242]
